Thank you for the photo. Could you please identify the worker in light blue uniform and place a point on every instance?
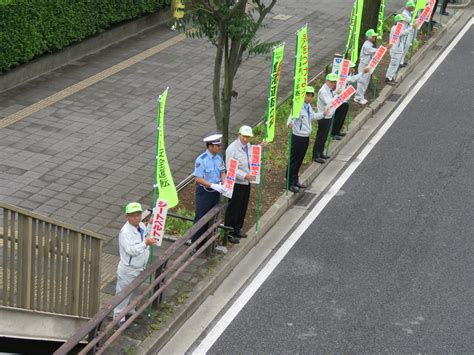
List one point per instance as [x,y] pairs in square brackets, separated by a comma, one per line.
[369,48]
[134,248]
[396,50]
[341,111]
[407,14]
[209,174]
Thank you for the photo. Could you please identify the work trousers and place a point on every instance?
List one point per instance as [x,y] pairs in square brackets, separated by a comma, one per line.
[395,60]
[321,136]
[444,4]
[125,276]
[299,146]
[205,200]
[339,118]
[408,44]
[237,208]
[362,85]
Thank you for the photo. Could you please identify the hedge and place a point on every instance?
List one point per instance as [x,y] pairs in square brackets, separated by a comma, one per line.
[30,28]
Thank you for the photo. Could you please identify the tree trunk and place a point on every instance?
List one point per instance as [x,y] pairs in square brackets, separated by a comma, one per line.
[216,85]
[369,18]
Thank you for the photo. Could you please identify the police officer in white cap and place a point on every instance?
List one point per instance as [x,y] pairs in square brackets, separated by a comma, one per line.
[237,208]
[209,174]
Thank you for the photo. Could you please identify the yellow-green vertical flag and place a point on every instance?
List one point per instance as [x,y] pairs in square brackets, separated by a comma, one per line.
[358,24]
[351,29]
[301,71]
[164,184]
[419,6]
[381,19]
[177,7]
[277,61]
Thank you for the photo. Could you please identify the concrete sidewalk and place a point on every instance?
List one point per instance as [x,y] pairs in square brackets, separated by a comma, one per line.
[80,141]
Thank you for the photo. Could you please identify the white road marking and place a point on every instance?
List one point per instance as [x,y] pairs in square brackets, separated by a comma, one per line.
[252,288]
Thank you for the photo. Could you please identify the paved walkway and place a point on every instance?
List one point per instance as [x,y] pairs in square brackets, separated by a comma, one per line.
[79,142]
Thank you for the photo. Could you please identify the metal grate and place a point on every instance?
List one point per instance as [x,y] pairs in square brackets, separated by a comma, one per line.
[305,199]
[394,97]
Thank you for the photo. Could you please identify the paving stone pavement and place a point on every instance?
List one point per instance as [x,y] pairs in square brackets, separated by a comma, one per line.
[82,158]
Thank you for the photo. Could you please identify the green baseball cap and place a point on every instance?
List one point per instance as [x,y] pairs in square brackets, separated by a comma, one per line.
[399,17]
[410,4]
[133,207]
[310,90]
[331,77]
[370,33]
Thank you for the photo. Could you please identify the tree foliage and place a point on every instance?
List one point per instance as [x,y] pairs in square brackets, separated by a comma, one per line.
[231,26]
[29,28]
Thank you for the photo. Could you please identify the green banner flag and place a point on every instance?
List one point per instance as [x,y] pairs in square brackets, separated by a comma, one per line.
[351,30]
[358,24]
[419,6]
[277,61]
[301,71]
[381,19]
[164,184]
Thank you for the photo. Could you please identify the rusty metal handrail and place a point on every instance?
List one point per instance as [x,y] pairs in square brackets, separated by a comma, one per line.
[156,272]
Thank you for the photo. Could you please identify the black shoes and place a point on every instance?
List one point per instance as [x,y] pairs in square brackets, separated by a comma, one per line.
[342,134]
[294,188]
[325,156]
[319,160]
[233,240]
[445,13]
[403,65]
[300,186]
[337,137]
[390,81]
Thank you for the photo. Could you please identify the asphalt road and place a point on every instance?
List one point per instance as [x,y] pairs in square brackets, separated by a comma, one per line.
[388,265]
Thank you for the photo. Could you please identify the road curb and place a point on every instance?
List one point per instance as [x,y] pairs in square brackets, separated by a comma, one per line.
[49,62]
[206,287]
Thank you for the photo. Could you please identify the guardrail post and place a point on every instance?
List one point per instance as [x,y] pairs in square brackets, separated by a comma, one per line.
[25,238]
[76,261]
[156,303]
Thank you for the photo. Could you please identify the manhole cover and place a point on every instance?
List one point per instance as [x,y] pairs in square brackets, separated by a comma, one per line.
[306,199]
[394,97]
[281,17]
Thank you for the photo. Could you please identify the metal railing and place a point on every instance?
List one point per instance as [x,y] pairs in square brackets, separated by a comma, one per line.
[47,265]
[156,278]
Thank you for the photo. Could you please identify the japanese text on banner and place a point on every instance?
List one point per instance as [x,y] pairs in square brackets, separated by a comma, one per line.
[272,98]
[381,19]
[230,178]
[396,34]
[163,178]
[301,71]
[358,25]
[343,75]
[345,95]
[377,58]
[256,163]
[159,220]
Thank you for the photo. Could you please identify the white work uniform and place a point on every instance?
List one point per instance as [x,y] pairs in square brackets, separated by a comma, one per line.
[410,35]
[134,254]
[366,53]
[396,52]
[302,125]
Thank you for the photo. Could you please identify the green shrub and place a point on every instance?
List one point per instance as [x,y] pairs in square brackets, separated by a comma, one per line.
[30,28]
